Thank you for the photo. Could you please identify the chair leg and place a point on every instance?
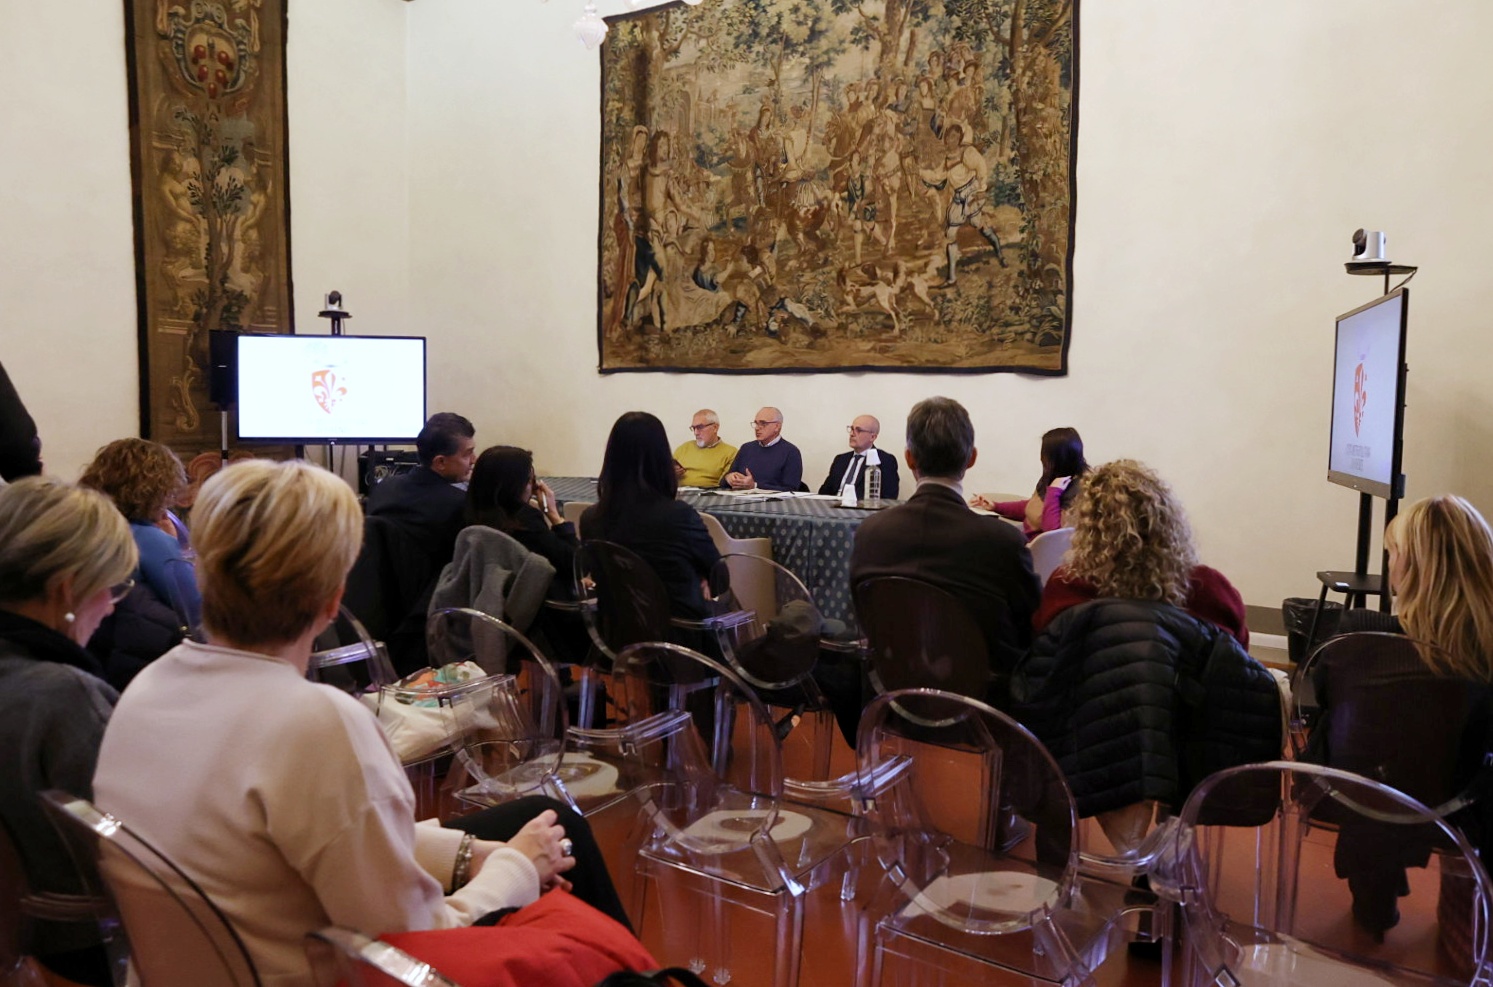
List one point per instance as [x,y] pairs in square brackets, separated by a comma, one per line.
[1311,635]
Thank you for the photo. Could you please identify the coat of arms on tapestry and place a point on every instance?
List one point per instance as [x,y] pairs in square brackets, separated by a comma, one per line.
[212,203]
[819,185]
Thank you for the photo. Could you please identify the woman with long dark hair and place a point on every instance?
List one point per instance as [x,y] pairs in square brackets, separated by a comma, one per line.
[506,495]
[1063,467]
[636,509]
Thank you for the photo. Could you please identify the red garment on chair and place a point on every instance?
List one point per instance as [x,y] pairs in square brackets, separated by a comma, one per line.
[559,941]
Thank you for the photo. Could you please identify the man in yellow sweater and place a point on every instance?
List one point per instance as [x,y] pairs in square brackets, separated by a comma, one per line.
[704,461]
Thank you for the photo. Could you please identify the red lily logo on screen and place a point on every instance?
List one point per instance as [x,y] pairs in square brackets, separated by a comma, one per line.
[327,389]
[1360,395]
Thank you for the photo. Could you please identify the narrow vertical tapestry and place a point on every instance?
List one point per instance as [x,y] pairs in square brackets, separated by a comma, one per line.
[212,203]
[838,185]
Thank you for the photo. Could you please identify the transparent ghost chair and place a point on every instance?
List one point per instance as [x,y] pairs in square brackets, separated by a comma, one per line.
[344,958]
[1292,873]
[178,936]
[921,637]
[505,711]
[731,861]
[349,658]
[773,643]
[978,849]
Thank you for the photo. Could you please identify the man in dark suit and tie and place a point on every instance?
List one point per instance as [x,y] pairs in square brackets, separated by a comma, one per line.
[426,503]
[849,468]
[936,538]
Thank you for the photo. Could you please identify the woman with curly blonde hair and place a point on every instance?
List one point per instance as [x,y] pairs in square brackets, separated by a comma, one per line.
[145,479]
[1131,540]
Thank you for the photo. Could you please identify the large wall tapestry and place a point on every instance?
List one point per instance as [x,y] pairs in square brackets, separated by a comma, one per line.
[791,185]
[212,204]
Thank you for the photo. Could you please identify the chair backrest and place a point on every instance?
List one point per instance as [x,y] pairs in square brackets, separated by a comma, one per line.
[631,603]
[177,935]
[776,643]
[1388,716]
[344,958]
[349,658]
[15,921]
[573,510]
[509,726]
[727,545]
[981,833]
[1048,550]
[921,637]
[1288,866]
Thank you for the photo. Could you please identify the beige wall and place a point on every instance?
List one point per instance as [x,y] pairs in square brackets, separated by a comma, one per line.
[444,177]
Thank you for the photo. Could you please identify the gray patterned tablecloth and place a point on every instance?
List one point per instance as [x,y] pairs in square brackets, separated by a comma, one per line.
[811,537]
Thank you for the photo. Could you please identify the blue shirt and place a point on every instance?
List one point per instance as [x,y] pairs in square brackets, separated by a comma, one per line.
[168,574]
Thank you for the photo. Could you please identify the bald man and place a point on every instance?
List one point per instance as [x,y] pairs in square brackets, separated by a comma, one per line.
[771,462]
[850,467]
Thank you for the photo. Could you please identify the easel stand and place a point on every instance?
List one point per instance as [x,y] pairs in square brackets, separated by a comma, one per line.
[1357,586]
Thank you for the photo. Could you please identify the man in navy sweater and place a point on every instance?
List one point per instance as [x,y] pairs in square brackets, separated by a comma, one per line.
[770,463]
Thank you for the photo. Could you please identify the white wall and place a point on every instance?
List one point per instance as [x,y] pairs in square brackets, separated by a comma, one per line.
[444,157]
[67,277]
[1226,152]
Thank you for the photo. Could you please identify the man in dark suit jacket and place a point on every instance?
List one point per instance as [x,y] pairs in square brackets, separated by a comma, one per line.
[936,538]
[850,467]
[426,502]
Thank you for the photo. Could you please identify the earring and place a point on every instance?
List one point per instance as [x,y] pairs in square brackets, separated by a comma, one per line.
[69,617]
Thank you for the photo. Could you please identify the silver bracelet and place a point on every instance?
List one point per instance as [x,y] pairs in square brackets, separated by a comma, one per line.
[460,873]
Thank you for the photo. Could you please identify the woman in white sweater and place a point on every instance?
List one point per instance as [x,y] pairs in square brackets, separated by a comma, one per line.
[281,797]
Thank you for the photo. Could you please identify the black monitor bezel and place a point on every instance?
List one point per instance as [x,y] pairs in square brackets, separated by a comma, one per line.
[341,439]
[1390,490]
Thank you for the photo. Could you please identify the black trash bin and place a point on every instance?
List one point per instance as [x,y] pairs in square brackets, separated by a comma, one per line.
[1296,612]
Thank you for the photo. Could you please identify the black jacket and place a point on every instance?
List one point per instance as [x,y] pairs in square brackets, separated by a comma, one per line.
[140,630]
[890,485]
[1140,700]
[669,535]
[426,506]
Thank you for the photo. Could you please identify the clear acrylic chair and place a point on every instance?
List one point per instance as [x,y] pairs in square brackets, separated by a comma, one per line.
[773,644]
[1386,715]
[344,958]
[731,861]
[1048,549]
[508,727]
[978,850]
[921,637]
[178,936]
[1293,873]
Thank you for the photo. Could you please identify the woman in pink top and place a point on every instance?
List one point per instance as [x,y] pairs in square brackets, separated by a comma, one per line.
[1062,466]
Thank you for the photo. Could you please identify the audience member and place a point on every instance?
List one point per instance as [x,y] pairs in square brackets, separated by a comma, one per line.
[849,468]
[506,495]
[1048,509]
[63,552]
[771,462]
[144,479]
[636,509]
[426,501]
[295,778]
[936,538]
[1131,540]
[20,446]
[703,461]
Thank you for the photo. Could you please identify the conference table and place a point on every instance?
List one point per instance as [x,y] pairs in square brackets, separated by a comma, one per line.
[811,537]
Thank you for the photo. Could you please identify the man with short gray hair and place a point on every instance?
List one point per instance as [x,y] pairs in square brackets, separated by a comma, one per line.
[704,460]
[937,539]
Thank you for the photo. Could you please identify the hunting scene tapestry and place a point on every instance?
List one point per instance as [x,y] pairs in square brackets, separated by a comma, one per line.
[212,204]
[819,185]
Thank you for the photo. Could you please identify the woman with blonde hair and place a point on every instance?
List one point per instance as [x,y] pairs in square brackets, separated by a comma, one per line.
[281,796]
[1131,540]
[65,558]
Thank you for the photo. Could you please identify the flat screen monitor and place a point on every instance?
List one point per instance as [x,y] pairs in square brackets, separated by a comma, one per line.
[330,388]
[1368,396]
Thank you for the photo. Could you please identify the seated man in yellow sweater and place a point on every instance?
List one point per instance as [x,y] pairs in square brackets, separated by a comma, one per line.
[704,461]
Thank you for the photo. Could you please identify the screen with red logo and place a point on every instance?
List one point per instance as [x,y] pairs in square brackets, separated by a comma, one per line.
[331,388]
[1368,395]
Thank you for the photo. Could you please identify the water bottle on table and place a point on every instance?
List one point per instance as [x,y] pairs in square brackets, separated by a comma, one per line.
[873,482]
